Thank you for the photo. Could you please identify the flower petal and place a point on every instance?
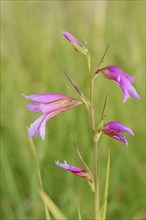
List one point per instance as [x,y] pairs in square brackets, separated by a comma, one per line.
[124,80]
[34,107]
[40,124]
[128,89]
[35,126]
[59,106]
[117,126]
[130,78]
[50,105]
[75,170]
[121,138]
[46,98]
[113,130]
[67,166]
[43,124]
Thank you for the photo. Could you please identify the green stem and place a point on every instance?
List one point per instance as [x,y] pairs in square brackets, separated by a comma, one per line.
[91,96]
[92,121]
[91,106]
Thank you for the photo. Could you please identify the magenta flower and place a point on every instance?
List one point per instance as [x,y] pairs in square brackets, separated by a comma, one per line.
[122,79]
[113,130]
[75,170]
[50,105]
[76,44]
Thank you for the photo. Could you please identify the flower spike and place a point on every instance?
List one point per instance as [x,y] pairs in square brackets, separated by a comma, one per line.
[75,170]
[113,130]
[50,105]
[124,80]
[76,44]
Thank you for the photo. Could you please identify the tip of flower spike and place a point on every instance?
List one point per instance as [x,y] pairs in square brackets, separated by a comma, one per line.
[76,44]
[70,37]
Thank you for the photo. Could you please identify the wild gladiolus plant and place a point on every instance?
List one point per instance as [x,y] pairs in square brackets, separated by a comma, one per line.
[52,104]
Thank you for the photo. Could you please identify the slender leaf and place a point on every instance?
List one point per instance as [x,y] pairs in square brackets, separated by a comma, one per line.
[73,84]
[102,58]
[91,179]
[104,107]
[79,213]
[77,90]
[58,215]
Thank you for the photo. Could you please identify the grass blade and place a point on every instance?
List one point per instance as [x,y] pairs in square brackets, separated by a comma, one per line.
[58,215]
[91,180]
[79,213]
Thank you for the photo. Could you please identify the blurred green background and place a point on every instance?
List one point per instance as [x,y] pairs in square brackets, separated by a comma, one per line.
[33,55]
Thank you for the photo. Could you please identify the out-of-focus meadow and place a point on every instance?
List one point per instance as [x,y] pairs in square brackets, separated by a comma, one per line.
[33,56]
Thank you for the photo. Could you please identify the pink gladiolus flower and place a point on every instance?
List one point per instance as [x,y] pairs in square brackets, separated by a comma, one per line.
[113,130]
[76,44]
[75,170]
[50,105]
[122,79]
